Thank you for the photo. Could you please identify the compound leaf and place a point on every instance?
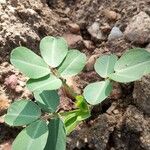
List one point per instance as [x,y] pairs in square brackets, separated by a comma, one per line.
[29,63]
[22,112]
[33,137]
[73,63]
[95,93]
[53,50]
[47,100]
[132,66]
[49,82]
[57,135]
[104,65]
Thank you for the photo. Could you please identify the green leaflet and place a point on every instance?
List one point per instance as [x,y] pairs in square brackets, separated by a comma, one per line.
[132,66]
[95,93]
[53,50]
[33,137]
[49,82]
[57,135]
[73,63]
[22,112]
[81,103]
[74,118]
[104,65]
[29,63]
[47,100]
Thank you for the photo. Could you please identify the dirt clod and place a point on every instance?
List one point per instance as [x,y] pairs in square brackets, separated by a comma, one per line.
[141,94]
[138,30]
[95,27]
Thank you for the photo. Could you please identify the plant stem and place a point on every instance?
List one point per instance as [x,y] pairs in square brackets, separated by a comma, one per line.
[66,88]
[69,91]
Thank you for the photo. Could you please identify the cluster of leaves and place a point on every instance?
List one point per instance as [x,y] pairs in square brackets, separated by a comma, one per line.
[131,66]
[46,127]
[45,77]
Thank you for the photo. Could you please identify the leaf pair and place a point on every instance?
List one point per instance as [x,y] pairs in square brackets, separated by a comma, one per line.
[24,112]
[40,136]
[130,67]
[37,135]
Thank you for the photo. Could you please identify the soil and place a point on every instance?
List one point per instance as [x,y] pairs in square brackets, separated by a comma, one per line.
[121,122]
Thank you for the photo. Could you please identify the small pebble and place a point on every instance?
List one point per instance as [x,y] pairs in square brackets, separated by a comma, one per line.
[89,44]
[73,40]
[74,28]
[112,15]
[95,32]
[115,33]
[21,83]
[11,81]
[116,111]
[90,63]
[19,89]
[27,94]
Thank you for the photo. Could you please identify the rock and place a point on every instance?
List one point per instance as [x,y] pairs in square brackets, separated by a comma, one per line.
[27,94]
[91,61]
[95,32]
[4,104]
[116,92]
[118,46]
[89,45]
[112,15]
[116,111]
[74,28]
[21,83]
[72,82]
[5,64]
[141,94]
[73,40]
[19,89]
[111,108]
[105,28]
[6,146]
[11,81]
[138,30]
[115,33]
[2,119]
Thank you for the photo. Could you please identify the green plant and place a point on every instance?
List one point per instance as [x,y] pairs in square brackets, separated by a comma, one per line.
[46,127]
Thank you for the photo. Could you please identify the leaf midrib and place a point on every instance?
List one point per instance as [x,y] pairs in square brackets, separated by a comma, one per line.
[30,64]
[47,83]
[123,75]
[134,66]
[107,66]
[100,91]
[26,116]
[53,52]
[47,102]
